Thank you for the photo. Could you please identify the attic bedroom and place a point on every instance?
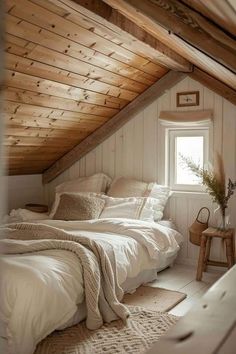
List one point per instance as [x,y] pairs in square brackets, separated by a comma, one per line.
[118,176]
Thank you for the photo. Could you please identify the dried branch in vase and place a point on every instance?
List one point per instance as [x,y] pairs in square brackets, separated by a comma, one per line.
[215,183]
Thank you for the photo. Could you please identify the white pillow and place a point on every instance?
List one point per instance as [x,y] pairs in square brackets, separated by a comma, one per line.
[20,215]
[129,208]
[127,187]
[123,187]
[97,183]
[160,194]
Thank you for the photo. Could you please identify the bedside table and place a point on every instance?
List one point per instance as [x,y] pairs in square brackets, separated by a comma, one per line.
[205,248]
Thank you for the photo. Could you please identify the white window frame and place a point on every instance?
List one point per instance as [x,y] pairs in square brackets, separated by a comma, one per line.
[171,158]
[163,149]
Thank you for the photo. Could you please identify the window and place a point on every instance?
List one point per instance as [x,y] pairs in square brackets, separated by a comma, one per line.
[191,143]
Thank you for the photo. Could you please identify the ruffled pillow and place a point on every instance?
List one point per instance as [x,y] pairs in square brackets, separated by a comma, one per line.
[127,187]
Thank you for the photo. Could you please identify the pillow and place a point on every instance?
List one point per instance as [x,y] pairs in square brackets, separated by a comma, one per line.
[78,207]
[58,196]
[20,215]
[129,208]
[127,187]
[97,183]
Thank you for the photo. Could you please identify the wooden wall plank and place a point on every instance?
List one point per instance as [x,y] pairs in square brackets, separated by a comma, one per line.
[44,100]
[35,141]
[36,84]
[11,107]
[58,74]
[74,135]
[22,120]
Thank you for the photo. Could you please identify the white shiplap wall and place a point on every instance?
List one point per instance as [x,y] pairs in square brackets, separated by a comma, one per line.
[133,152]
[23,189]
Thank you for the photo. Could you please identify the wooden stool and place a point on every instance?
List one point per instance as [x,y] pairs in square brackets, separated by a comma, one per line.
[205,247]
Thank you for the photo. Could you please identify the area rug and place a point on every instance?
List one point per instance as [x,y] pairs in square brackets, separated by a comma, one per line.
[141,330]
[156,299]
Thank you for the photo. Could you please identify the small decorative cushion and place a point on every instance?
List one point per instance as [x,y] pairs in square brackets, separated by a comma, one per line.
[78,207]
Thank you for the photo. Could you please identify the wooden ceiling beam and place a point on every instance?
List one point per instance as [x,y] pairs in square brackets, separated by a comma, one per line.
[214,85]
[185,32]
[223,13]
[112,125]
[150,46]
[190,26]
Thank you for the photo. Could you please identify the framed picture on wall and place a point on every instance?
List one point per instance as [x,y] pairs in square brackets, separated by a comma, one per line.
[188,98]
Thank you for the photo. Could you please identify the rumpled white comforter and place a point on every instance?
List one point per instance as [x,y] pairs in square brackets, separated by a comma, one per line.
[40,291]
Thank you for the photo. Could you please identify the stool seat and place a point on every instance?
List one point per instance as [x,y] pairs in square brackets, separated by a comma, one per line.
[205,248]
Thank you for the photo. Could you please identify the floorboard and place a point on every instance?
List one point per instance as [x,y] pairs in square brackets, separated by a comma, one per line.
[182,278]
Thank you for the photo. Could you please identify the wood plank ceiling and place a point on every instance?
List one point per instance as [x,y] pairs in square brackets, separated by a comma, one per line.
[73,65]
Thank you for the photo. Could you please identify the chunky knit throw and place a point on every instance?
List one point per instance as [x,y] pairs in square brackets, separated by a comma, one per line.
[102,291]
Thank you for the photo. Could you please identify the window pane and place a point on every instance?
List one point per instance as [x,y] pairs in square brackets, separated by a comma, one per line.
[192,147]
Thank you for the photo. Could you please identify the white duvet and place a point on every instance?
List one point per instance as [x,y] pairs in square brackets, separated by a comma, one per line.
[41,291]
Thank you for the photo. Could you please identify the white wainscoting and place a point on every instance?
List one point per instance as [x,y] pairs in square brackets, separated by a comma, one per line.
[133,152]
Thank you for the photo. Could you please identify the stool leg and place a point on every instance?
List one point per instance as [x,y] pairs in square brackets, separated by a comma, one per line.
[233,247]
[207,255]
[229,252]
[201,258]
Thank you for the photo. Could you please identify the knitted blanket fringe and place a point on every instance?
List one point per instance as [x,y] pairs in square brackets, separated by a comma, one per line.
[102,291]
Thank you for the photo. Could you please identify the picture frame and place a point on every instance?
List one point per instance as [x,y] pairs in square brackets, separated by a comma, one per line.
[187,99]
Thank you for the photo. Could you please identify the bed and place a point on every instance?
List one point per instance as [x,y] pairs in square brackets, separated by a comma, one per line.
[44,284]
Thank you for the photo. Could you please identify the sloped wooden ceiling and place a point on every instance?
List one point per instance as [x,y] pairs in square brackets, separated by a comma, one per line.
[73,65]
[66,75]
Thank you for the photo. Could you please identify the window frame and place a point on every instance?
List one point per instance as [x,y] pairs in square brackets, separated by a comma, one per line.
[163,147]
[172,134]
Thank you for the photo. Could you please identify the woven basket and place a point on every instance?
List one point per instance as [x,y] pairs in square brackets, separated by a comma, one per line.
[196,229]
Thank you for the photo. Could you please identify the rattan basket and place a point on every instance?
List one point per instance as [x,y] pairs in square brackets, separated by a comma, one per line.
[196,229]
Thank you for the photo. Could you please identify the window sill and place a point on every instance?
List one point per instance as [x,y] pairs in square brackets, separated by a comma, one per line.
[187,194]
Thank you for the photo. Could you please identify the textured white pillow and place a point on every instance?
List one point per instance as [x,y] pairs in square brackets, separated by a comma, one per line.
[58,198]
[74,206]
[129,208]
[97,183]
[127,187]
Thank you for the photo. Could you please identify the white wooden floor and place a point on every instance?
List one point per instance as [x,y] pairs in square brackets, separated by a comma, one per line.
[182,278]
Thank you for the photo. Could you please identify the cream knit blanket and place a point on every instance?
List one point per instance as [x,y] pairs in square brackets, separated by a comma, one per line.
[102,291]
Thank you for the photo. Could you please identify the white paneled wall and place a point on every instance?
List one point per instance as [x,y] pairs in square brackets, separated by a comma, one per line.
[133,151]
[24,189]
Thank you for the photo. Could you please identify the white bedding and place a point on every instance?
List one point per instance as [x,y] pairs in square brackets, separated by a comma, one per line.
[40,291]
